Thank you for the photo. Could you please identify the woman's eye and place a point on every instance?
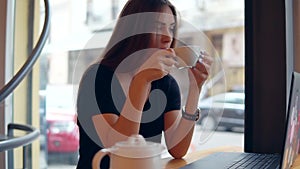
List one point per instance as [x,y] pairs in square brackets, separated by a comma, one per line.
[172,28]
[162,28]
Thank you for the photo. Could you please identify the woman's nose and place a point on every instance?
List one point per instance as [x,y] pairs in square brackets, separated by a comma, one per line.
[166,38]
[167,31]
[167,35]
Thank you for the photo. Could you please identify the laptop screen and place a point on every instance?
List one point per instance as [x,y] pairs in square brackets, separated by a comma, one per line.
[292,133]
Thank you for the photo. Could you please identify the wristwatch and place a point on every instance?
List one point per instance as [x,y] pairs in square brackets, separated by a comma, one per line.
[192,117]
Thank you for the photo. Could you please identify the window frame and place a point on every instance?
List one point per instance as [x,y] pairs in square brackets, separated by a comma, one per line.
[265,75]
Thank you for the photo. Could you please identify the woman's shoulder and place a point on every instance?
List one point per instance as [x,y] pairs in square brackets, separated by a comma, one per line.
[166,82]
[168,79]
[98,69]
[95,72]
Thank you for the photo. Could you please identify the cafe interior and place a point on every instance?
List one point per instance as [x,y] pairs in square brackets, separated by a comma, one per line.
[272,53]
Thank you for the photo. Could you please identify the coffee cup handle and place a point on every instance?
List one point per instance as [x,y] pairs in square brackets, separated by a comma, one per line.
[98,157]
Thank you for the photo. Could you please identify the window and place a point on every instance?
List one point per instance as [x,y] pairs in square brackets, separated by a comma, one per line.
[68,54]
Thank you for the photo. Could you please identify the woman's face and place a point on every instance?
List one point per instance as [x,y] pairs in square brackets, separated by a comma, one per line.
[164,25]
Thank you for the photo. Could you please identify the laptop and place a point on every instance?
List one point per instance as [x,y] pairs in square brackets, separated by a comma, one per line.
[228,160]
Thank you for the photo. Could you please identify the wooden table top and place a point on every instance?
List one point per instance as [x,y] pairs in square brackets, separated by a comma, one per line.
[170,163]
[296,164]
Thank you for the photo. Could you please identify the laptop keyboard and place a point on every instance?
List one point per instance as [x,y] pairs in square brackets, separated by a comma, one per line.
[255,161]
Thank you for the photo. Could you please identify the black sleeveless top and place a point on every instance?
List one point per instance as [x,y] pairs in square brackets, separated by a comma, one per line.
[101,92]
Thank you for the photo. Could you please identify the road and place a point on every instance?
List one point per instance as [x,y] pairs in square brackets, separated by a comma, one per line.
[201,140]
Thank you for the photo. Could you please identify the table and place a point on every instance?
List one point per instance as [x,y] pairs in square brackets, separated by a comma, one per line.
[296,164]
[170,163]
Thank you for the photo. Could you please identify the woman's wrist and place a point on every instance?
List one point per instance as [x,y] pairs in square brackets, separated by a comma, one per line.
[139,78]
[138,92]
[192,100]
[191,115]
[138,81]
[195,88]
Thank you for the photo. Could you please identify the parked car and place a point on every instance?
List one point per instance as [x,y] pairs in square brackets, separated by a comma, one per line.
[62,130]
[62,138]
[226,110]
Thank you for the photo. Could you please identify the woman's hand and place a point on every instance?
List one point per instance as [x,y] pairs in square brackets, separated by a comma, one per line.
[200,72]
[158,65]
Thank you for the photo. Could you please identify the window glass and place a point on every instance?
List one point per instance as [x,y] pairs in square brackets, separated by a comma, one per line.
[68,53]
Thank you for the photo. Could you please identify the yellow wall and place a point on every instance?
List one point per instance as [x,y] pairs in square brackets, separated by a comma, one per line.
[21,92]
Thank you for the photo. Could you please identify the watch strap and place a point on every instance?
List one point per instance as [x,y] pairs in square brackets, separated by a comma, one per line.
[191,117]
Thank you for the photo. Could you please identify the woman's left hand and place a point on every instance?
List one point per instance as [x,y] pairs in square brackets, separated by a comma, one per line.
[200,72]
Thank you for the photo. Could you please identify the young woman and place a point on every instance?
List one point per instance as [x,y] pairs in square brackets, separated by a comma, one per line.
[132,88]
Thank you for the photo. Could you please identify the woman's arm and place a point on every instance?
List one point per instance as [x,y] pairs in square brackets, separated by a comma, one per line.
[112,128]
[179,131]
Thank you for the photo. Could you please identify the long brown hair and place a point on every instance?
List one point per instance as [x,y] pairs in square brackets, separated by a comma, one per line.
[118,48]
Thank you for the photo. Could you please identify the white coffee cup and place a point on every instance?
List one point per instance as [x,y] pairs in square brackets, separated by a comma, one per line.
[187,56]
[135,153]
